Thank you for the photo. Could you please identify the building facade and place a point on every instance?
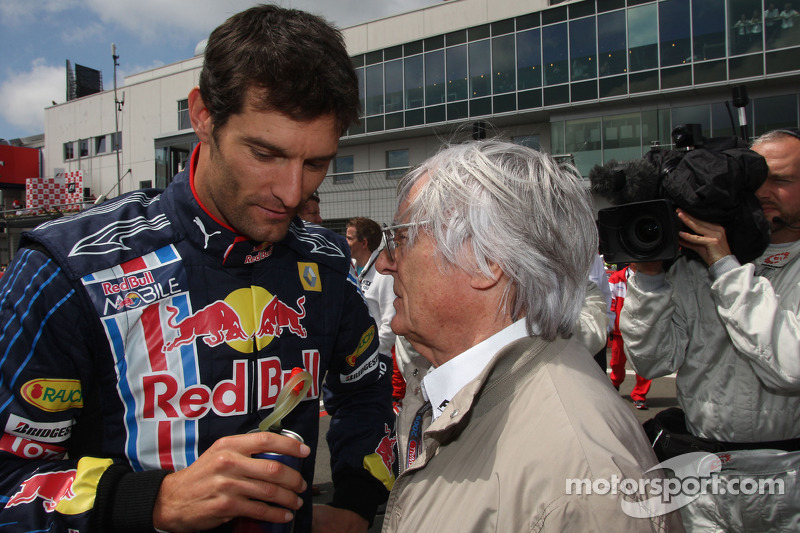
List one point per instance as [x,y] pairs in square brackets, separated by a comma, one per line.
[590,80]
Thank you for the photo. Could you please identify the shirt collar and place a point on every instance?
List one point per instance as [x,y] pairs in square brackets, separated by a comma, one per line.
[443,382]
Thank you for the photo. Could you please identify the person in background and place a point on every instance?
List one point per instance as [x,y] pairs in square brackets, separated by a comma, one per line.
[364,238]
[618,281]
[145,339]
[310,211]
[731,333]
[490,251]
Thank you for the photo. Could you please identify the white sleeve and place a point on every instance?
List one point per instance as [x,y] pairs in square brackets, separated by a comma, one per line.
[592,327]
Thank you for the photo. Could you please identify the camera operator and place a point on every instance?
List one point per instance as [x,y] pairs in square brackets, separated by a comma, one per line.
[731,332]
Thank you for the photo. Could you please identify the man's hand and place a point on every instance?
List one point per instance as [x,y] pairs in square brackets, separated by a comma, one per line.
[226,482]
[710,243]
[329,519]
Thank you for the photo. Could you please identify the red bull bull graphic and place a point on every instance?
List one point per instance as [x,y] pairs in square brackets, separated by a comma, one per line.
[215,323]
[50,487]
[380,464]
[220,321]
[277,315]
[67,492]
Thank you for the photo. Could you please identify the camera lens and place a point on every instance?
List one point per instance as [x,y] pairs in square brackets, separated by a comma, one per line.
[643,234]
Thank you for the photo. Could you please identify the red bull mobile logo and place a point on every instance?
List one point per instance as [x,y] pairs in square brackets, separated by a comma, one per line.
[233,321]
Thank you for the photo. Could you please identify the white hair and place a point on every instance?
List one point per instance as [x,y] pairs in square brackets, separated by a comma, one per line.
[497,202]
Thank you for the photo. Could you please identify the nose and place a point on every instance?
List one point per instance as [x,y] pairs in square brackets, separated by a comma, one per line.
[384,265]
[289,187]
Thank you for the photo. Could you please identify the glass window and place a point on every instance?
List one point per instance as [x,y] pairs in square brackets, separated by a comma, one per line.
[555,54]
[396,159]
[782,24]
[673,25]
[83,146]
[116,141]
[183,115]
[696,114]
[374,90]
[643,37]
[622,137]
[162,172]
[343,169]
[582,49]
[503,64]
[457,73]
[480,69]
[612,50]
[393,77]
[434,77]
[100,145]
[361,89]
[583,141]
[746,27]
[69,151]
[721,121]
[146,184]
[708,29]
[414,81]
[557,137]
[774,112]
[531,141]
[529,62]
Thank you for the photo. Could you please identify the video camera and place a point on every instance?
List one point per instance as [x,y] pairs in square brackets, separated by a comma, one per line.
[711,179]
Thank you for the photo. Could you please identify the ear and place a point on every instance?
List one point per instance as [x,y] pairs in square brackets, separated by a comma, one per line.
[200,116]
[482,282]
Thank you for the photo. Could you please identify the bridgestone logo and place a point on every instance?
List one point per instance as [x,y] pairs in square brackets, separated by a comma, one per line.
[39,431]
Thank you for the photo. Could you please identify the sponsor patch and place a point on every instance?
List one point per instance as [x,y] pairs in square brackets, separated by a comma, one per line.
[309,276]
[53,395]
[363,344]
[364,369]
[39,431]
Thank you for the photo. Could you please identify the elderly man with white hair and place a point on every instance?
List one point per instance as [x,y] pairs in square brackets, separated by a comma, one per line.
[490,252]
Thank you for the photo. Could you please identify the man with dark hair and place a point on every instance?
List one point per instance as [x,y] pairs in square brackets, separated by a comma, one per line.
[145,339]
[310,211]
[363,236]
[731,333]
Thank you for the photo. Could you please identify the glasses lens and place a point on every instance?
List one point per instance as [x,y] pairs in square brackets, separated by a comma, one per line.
[388,241]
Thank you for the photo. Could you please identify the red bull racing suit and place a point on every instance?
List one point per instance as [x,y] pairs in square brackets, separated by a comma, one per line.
[135,334]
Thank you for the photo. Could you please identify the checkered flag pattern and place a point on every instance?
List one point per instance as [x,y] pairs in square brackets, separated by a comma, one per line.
[45,192]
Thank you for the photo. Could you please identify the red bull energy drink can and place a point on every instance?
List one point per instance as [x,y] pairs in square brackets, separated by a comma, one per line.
[248,525]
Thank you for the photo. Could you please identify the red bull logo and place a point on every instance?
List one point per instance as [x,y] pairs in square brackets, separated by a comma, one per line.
[128,283]
[380,463]
[220,321]
[277,315]
[50,487]
[215,323]
[130,301]
[164,397]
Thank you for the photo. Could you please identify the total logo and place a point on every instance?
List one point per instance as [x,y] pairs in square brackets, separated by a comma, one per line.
[165,398]
[247,320]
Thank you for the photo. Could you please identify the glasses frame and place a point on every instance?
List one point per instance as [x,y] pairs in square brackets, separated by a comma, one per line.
[387,237]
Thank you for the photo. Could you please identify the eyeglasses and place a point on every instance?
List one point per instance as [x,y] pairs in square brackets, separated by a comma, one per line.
[390,237]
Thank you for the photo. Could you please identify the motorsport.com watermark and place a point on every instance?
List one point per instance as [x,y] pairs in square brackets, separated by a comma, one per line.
[694,475]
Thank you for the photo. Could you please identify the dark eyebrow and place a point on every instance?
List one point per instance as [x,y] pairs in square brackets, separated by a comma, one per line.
[281,152]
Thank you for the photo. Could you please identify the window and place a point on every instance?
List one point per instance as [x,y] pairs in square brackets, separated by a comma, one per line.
[708,29]
[100,145]
[183,115]
[480,75]
[116,141]
[146,184]
[503,64]
[457,73]
[529,62]
[343,169]
[583,49]
[396,159]
[611,42]
[643,37]
[374,90]
[673,24]
[531,141]
[69,151]
[434,77]
[393,77]
[414,83]
[555,54]
[83,147]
